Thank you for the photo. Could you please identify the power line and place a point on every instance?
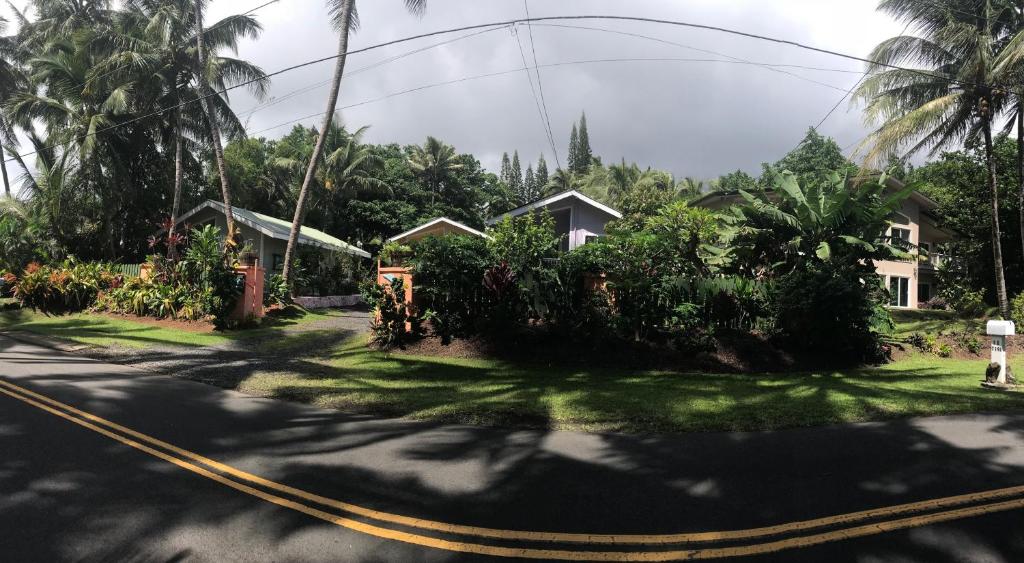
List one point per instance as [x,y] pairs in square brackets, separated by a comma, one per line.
[533,91]
[260,107]
[698,49]
[491,75]
[540,85]
[514,22]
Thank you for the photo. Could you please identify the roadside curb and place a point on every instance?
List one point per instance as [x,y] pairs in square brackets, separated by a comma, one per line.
[58,344]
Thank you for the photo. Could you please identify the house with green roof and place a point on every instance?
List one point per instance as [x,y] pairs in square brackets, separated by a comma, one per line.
[268,236]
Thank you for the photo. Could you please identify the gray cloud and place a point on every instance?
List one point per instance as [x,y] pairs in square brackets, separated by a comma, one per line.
[692,118]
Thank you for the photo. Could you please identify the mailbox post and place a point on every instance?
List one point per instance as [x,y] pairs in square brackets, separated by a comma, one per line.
[999,330]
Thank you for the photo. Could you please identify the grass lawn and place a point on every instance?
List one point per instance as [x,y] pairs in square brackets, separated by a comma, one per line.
[354,378]
[106,330]
[909,321]
[491,392]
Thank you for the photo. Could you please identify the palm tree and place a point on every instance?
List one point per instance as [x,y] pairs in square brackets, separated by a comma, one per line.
[434,162]
[343,15]
[166,61]
[12,80]
[949,98]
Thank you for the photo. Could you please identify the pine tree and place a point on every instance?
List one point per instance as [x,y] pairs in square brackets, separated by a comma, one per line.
[583,152]
[573,148]
[529,186]
[515,182]
[506,169]
[541,176]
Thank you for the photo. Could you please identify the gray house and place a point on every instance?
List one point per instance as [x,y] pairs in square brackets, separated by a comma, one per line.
[578,218]
[267,235]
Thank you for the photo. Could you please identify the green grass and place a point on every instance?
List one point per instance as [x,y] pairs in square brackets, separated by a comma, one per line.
[354,378]
[105,330]
[909,321]
[490,392]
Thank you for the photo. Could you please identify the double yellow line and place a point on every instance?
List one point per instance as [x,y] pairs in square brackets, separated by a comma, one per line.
[645,546]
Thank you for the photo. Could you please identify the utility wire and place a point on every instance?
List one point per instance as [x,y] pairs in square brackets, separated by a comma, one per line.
[677,23]
[540,85]
[276,100]
[692,48]
[491,75]
[533,91]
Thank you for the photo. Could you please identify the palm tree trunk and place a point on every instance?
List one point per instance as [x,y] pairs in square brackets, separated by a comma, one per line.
[3,170]
[218,150]
[318,149]
[997,247]
[176,205]
[1020,164]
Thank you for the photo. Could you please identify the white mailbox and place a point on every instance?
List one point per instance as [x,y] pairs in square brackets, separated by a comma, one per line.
[999,330]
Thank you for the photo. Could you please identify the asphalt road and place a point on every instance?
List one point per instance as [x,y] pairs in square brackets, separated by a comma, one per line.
[100,462]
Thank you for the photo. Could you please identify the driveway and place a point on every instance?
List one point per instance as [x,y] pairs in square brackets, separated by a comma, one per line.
[105,462]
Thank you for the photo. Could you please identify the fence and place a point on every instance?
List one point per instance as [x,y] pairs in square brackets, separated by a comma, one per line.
[128,270]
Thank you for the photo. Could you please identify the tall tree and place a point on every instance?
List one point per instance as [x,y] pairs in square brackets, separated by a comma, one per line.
[541,174]
[12,80]
[516,176]
[344,19]
[583,152]
[529,185]
[207,103]
[954,99]
[574,150]
[506,169]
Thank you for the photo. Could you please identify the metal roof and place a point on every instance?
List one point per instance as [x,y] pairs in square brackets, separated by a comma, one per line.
[279,228]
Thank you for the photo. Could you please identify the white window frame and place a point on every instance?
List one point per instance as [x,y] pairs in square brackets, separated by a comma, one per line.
[892,234]
[895,300]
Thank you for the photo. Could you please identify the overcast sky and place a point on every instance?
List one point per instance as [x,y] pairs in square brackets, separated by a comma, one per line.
[693,118]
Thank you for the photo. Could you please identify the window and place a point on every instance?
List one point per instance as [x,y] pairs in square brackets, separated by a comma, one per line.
[278,262]
[899,291]
[590,238]
[924,292]
[900,234]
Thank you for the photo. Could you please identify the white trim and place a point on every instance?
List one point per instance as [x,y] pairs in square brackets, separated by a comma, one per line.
[429,224]
[552,199]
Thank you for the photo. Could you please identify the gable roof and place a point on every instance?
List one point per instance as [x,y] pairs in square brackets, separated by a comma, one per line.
[279,228]
[569,194]
[450,222]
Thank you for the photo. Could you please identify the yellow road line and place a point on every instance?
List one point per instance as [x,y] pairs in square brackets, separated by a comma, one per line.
[567,555]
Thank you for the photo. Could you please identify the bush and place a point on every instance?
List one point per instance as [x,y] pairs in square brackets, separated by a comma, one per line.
[832,311]
[1017,310]
[388,329]
[968,303]
[944,351]
[275,291]
[199,285]
[71,286]
[447,274]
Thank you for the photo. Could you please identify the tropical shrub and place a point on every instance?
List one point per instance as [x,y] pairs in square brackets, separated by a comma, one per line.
[275,291]
[195,284]
[832,311]
[388,328]
[448,273]
[1017,310]
[71,286]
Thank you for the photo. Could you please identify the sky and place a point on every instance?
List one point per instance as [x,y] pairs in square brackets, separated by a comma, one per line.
[693,118]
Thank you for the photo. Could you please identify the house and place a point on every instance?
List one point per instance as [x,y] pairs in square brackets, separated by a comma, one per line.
[578,218]
[911,283]
[435,227]
[267,235]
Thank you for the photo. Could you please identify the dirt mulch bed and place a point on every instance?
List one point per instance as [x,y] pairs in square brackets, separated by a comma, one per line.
[201,327]
[732,353]
[1014,347]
